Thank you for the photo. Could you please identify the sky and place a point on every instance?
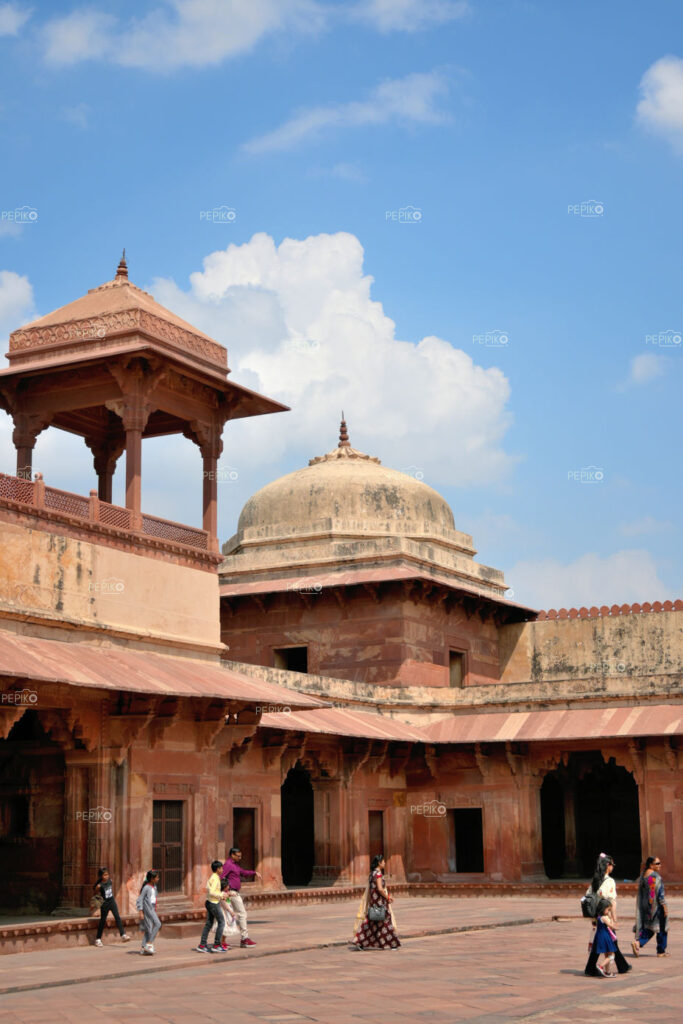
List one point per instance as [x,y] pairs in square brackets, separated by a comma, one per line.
[459,222]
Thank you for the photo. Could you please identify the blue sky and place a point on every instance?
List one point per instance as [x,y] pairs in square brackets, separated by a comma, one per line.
[318,122]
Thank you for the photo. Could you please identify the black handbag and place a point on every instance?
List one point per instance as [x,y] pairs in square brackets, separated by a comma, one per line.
[377,913]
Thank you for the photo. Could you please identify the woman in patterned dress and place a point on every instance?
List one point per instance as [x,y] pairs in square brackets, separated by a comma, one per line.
[376,934]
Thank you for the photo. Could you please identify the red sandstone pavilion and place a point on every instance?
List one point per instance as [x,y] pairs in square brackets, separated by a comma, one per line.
[344,678]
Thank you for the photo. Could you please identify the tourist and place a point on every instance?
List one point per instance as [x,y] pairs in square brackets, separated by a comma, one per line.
[651,909]
[104,892]
[146,904]
[233,874]
[375,923]
[604,886]
[604,943]
[214,913]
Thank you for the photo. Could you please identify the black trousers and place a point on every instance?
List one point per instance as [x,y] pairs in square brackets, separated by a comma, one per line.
[104,913]
[591,967]
[214,915]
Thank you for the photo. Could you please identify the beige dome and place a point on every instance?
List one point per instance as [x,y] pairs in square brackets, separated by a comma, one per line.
[345,485]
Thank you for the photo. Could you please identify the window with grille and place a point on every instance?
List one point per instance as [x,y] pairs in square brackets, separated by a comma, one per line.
[168,844]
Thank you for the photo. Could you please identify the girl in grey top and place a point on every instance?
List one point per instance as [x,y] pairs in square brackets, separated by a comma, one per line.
[147,904]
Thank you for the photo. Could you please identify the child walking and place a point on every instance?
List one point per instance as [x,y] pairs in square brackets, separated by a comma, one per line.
[604,943]
[215,912]
[147,904]
[103,890]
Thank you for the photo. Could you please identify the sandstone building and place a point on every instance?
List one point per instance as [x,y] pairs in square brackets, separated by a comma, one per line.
[344,678]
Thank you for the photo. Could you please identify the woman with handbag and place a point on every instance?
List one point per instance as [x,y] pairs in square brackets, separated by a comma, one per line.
[375,923]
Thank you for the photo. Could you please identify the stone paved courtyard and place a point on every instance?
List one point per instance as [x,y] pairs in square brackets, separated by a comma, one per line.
[517,972]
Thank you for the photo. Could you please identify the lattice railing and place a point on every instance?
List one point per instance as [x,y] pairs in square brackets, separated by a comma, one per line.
[35,494]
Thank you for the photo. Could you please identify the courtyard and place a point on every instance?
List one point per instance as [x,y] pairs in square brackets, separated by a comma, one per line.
[486,960]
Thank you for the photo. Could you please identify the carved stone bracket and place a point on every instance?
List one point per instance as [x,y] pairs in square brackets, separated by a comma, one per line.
[85,724]
[431,756]
[671,753]
[637,757]
[295,751]
[354,758]
[166,714]
[377,755]
[398,757]
[273,748]
[9,716]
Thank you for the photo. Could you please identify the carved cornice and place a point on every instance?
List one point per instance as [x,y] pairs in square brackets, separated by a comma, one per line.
[98,330]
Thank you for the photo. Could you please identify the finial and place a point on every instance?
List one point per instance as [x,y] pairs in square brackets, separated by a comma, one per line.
[122,269]
[343,434]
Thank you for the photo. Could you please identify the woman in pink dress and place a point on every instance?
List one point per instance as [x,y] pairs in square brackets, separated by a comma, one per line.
[375,923]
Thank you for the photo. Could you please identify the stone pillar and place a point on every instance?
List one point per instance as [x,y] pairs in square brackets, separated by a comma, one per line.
[208,437]
[571,862]
[134,409]
[27,426]
[105,456]
[75,849]
[331,834]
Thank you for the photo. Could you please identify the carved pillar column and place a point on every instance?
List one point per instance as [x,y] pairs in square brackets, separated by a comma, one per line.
[75,848]
[105,457]
[331,836]
[571,863]
[208,437]
[27,426]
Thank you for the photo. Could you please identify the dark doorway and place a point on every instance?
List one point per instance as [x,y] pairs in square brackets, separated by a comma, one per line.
[31,818]
[466,839]
[297,850]
[607,818]
[597,802]
[294,659]
[244,835]
[167,840]
[376,829]
[552,826]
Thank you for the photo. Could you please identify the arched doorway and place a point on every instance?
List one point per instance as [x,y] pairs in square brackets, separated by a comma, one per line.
[31,818]
[297,850]
[587,806]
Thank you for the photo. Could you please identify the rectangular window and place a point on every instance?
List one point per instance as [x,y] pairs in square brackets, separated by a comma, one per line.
[456,668]
[167,848]
[376,826]
[14,817]
[294,659]
[244,834]
[465,840]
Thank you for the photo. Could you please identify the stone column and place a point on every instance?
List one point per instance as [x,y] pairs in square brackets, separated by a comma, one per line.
[571,862]
[105,456]
[330,839]
[208,437]
[27,426]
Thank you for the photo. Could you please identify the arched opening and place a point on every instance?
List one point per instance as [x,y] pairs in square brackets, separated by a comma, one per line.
[31,818]
[552,826]
[589,805]
[297,851]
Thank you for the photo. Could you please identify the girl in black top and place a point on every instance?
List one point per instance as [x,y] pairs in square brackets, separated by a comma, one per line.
[104,888]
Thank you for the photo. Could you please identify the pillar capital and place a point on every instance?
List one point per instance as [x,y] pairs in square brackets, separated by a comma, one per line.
[207,435]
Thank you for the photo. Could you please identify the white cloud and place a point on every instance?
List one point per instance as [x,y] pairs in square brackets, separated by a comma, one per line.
[645,368]
[409,100]
[13,18]
[176,33]
[10,229]
[624,577]
[78,115]
[646,525]
[301,327]
[408,15]
[661,105]
[16,303]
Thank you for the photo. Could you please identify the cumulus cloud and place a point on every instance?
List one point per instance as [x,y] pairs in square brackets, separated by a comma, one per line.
[661,105]
[624,577]
[13,17]
[645,368]
[409,100]
[16,303]
[408,15]
[301,326]
[176,33]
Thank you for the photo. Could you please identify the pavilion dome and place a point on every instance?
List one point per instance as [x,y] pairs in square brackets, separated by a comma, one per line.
[345,485]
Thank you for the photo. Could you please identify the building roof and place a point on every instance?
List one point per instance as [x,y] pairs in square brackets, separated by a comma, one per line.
[340,722]
[573,724]
[32,659]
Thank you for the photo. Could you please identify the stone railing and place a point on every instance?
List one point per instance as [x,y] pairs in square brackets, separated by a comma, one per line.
[614,610]
[37,495]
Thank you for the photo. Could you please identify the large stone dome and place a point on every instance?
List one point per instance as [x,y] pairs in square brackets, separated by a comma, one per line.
[346,485]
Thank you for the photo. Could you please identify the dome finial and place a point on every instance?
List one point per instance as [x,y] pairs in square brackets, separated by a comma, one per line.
[343,434]
[122,269]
